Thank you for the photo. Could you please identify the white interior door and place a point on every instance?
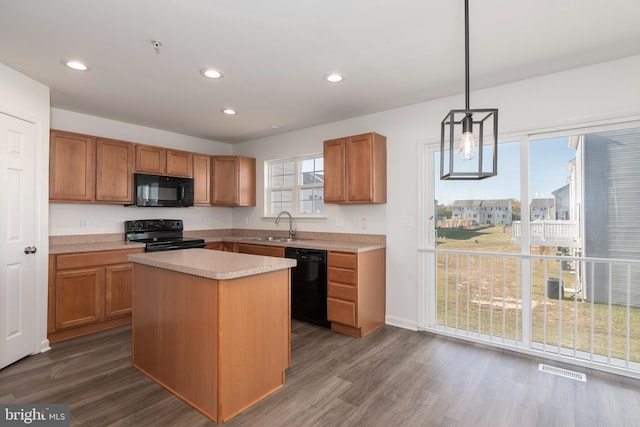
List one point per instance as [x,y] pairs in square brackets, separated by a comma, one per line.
[17,237]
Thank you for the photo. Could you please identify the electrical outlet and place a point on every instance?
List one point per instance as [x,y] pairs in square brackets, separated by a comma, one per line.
[363,223]
[83,223]
[339,222]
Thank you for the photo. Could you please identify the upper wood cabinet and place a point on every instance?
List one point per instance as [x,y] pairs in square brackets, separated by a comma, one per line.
[163,161]
[179,163]
[201,180]
[233,181]
[114,169]
[72,158]
[150,159]
[355,169]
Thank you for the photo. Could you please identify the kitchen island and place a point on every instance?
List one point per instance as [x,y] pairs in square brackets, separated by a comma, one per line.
[212,327]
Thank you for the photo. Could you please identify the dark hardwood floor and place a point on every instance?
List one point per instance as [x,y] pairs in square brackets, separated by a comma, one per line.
[393,377]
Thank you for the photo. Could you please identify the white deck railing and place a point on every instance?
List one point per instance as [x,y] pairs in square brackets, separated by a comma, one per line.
[582,310]
[549,233]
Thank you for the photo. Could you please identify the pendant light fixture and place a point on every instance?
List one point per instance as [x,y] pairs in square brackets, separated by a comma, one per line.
[474,158]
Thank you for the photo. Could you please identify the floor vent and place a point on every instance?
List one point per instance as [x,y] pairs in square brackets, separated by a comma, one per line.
[578,376]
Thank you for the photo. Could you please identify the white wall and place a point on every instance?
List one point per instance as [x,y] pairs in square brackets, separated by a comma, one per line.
[68,218]
[604,91]
[28,100]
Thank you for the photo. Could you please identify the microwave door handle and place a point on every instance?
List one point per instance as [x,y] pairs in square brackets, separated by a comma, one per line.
[181,193]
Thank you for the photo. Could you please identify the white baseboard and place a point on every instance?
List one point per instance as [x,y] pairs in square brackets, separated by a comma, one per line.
[402,323]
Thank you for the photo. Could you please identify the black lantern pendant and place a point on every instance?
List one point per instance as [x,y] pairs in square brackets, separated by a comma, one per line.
[475,157]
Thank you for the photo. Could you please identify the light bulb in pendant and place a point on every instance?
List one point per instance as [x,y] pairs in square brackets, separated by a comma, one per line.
[467,149]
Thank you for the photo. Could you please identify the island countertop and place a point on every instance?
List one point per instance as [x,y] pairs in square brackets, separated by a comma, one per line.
[216,265]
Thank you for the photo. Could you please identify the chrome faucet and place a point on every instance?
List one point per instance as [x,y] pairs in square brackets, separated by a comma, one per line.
[292,232]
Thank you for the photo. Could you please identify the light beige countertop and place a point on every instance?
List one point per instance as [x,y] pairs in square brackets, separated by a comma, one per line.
[328,245]
[216,265]
[66,248]
[322,241]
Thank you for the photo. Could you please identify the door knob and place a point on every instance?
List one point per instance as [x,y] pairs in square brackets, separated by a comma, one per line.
[30,250]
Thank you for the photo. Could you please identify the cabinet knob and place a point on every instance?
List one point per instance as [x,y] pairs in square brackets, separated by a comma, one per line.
[30,250]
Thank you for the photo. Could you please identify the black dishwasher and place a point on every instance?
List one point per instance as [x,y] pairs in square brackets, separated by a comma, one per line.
[309,285]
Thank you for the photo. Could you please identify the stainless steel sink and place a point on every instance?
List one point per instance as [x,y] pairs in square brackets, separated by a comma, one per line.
[273,239]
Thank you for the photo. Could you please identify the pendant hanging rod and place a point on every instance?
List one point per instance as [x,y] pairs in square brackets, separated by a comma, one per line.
[466,53]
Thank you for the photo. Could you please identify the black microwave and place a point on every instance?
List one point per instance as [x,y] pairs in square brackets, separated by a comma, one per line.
[162,191]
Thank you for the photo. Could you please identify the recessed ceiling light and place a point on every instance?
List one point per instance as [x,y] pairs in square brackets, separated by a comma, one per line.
[275,126]
[211,73]
[229,111]
[334,77]
[75,65]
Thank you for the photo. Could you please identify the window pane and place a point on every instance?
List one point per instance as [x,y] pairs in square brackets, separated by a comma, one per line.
[282,174]
[280,200]
[296,184]
[478,215]
[311,171]
[480,292]
[312,200]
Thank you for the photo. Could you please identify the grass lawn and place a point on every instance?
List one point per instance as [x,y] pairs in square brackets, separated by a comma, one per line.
[485,292]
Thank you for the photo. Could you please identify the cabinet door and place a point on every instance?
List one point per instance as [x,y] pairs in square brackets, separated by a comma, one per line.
[201,180]
[335,157]
[225,181]
[72,159]
[79,297]
[118,290]
[114,169]
[179,163]
[360,168]
[229,247]
[233,181]
[150,159]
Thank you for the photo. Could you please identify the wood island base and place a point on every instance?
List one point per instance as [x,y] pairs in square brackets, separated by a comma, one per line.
[220,345]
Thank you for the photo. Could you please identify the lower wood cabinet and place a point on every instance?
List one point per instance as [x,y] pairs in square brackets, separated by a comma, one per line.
[89,292]
[356,291]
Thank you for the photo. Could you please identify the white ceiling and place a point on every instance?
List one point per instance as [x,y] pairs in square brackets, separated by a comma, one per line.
[274,53]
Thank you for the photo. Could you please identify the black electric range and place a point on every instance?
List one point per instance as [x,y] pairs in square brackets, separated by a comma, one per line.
[159,235]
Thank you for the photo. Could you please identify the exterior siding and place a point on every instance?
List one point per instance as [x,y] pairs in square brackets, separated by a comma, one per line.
[611,212]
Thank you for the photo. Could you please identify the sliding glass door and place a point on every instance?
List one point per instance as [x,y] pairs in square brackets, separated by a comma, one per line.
[543,257]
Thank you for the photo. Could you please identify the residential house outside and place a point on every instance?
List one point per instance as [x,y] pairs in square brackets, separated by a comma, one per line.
[496,212]
[484,212]
[542,209]
[562,197]
[466,209]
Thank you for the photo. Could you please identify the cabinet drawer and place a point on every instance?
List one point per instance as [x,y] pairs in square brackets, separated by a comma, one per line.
[216,246]
[342,275]
[341,291]
[88,259]
[264,250]
[342,260]
[341,311]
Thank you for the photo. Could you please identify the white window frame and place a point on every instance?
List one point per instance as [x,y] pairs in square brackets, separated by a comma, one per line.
[296,188]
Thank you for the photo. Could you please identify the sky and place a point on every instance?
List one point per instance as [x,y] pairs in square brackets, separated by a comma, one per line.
[547,170]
